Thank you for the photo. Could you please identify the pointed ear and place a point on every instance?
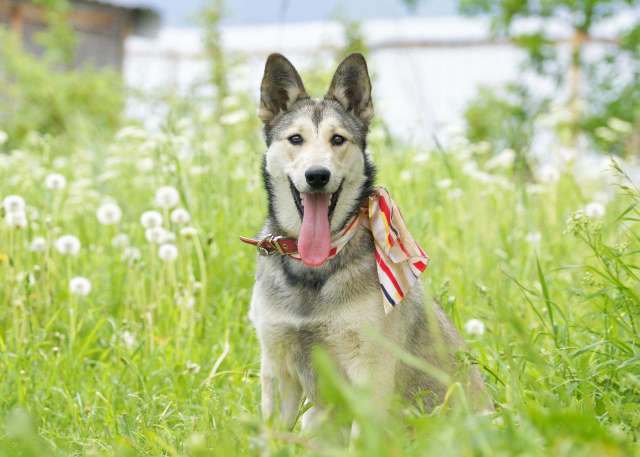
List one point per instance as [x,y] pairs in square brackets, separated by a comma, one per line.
[281,87]
[351,87]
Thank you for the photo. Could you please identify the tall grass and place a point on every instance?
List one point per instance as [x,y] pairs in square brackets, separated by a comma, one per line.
[160,359]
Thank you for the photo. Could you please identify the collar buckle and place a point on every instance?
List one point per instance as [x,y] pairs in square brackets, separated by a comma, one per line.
[270,245]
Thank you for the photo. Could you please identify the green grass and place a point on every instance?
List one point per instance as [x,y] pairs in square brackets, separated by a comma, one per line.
[133,369]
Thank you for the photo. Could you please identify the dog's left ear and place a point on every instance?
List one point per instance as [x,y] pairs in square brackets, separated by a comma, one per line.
[351,87]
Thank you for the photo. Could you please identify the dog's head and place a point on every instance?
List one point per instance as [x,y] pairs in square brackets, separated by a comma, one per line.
[316,170]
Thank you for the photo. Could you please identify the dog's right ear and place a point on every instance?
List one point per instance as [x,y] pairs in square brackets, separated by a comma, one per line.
[281,87]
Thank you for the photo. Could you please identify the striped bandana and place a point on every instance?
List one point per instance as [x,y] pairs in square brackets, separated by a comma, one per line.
[399,258]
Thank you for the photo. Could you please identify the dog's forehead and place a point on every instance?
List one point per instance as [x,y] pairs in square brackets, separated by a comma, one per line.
[317,113]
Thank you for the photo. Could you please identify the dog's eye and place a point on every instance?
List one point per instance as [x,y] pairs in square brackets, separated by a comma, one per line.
[295,139]
[337,140]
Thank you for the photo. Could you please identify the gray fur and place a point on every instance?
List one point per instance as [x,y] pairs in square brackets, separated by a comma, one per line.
[338,306]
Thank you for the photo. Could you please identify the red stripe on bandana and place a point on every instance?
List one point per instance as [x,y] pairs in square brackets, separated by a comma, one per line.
[389,274]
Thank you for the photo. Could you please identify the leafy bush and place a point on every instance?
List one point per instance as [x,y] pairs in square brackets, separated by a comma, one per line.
[36,95]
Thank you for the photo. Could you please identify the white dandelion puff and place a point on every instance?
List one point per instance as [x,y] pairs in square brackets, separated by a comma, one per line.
[151,219]
[159,235]
[474,327]
[3,137]
[38,244]
[68,245]
[55,181]
[180,216]
[121,240]
[167,197]
[533,238]
[168,252]
[131,254]
[129,339]
[14,204]
[594,210]
[80,286]
[16,220]
[189,232]
[109,213]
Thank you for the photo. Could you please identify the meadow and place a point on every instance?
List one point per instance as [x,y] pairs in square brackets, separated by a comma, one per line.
[125,291]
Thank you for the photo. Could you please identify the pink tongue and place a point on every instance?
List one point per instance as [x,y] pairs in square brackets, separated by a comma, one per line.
[314,241]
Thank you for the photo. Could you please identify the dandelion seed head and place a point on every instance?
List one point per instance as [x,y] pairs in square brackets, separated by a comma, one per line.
[68,245]
[80,286]
[159,235]
[189,232]
[109,213]
[594,210]
[151,219]
[131,254]
[55,181]
[17,220]
[474,327]
[128,339]
[121,240]
[38,244]
[14,204]
[533,238]
[167,197]
[180,216]
[3,137]
[168,252]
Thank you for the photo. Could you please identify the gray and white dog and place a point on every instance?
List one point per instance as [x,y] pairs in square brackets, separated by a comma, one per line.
[317,174]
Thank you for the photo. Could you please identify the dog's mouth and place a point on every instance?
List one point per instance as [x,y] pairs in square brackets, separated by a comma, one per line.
[300,204]
[315,209]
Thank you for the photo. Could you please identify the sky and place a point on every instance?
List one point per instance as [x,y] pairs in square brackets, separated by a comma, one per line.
[182,13]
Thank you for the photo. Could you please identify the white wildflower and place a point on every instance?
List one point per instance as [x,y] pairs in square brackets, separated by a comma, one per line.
[533,238]
[180,216]
[159,235]
[594,210]
[3,137]
[548,174]
[474,327]
[129,339]
[168,252]
[13,204]
[145,165]
[189,232]
[109,213]
[121,240]
[151,219]
[68,244]
[167,197]
[444,183]
[38,244]
[192,367]
[55,181]
[131,254]
[16,220]
[80,286]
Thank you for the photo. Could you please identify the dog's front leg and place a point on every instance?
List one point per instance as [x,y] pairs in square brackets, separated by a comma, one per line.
[267,382]
[290,395]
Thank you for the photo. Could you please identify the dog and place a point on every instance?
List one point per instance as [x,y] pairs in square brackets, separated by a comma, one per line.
[318,176]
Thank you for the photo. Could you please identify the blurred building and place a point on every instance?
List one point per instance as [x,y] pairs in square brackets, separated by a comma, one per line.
[101,27]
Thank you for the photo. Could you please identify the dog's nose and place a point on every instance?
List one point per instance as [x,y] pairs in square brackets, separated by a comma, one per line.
[317,177]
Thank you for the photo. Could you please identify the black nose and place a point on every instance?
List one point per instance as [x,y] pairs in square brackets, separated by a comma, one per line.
[317,177]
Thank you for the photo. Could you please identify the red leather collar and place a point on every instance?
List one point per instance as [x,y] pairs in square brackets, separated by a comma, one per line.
[272,244]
